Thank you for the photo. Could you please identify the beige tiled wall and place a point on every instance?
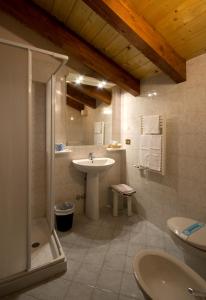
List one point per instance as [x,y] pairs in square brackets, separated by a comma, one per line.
[182,191]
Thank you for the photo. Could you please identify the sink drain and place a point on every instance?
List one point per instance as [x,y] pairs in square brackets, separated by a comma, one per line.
[35,245]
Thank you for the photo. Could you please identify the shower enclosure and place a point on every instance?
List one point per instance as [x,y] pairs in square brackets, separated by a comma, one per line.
[29,249]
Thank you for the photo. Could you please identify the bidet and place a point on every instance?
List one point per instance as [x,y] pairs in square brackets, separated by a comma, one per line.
[197,293]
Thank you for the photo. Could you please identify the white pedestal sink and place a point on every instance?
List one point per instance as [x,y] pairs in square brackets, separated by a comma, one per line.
[93,168]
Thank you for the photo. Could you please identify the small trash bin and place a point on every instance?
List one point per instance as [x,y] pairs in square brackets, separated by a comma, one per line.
[64,213]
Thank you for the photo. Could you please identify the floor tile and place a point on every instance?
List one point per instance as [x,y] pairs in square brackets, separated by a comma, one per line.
[87,274]
[79,291]
[52,290]
[134,248]
[77,253]
[129,264]
[73,267]
[95,258]
[109,280]
[118,247]
[115,261]
[121,234]
[129,286]
[123,297]
[103,295]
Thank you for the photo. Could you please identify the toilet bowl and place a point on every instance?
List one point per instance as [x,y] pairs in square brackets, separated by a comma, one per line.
[190,231]
[163,277]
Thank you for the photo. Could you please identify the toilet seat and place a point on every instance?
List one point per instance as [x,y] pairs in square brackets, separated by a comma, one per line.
[189,230]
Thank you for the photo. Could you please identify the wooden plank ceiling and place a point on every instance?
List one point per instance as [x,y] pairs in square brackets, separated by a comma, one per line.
[181,22]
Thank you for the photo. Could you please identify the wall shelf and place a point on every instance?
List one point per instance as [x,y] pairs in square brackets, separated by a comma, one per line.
[115,149]
[63,151]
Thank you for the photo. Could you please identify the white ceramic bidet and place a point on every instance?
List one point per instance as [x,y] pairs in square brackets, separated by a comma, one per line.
[163,277]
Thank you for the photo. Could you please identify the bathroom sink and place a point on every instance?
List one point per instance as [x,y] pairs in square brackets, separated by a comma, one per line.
[93,167]
[162,276]
[96,165]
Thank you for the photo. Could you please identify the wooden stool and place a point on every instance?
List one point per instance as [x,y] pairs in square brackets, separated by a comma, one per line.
[125,191]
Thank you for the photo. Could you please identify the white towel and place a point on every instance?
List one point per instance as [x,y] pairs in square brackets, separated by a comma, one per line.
[99,139]
[151,124]
[150,154]
[144,157]
[156,142]
[145,141]
[98,127]
[155,160]
[123,189]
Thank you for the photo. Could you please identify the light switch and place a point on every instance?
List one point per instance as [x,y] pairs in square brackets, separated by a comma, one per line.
[127,141]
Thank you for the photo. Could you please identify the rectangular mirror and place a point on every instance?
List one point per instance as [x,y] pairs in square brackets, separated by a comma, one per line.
[88,111]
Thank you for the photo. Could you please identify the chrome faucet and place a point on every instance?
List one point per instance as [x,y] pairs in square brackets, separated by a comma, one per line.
[197,293]
[91,156]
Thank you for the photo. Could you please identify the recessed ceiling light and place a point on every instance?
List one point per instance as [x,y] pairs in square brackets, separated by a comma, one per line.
[149,94]
[101,84]
[79,79]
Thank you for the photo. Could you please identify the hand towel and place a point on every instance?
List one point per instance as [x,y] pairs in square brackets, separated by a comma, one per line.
[144,157]
[150,154]
[98,127]
[99,139]
[123,189]
[145,141]
[151,124]
[155,160]
[144,153]
[156,142]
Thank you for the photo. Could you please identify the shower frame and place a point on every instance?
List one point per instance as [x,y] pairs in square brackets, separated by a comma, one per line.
[18,280]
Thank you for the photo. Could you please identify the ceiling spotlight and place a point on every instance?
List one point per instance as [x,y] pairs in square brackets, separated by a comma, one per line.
[101,84]
[155,93]
[150,95]
[79,79]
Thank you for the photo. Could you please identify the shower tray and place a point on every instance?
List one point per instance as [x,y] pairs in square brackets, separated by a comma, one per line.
[47,259]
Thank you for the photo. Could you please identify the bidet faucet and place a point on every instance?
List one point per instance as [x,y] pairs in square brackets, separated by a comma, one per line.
[197,293]
[91,156]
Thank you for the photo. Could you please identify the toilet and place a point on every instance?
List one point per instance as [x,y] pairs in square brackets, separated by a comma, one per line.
[190,231]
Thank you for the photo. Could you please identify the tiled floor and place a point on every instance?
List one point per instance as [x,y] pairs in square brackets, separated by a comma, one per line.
[100,255]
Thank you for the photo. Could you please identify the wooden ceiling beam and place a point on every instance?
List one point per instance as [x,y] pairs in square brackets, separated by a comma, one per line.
[120,15]
[48,26]
[79,96]
[74,104]
[102,95]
